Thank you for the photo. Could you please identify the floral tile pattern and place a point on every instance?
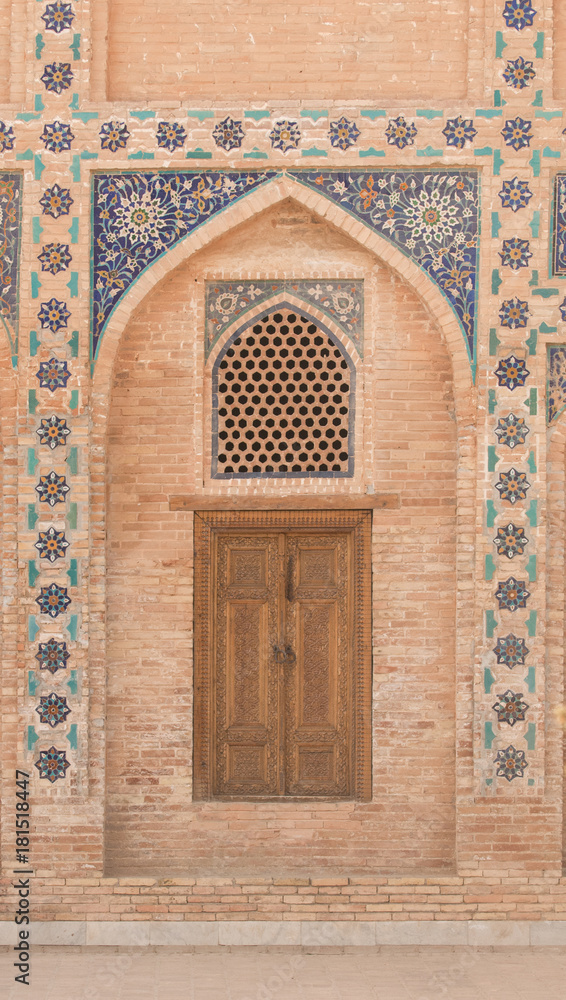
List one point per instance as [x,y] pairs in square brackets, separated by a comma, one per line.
[510,707]
[53,600]
[52,544]
[228,134]
[515,194]
[459,131]
[511,651]
[519,14]
[114,135]
[400,132]
[55,257]
[556,379]
[514,314]
[56,201]
[53,374]
[58,16]
[430,217]
[52,764]
[57,77]
[52,489]
[53,431]
[285,135]
[512,372]
[517,133]
[512,486]
[139,216]
[518,73]
[226,301]
[515,253]
[562,310]
[53,315]
[510,541]
[52,655]
[52,709]
[170,135]
[511,763]
[10,245]
[511,430]
[512,594]
[559,227]
[57,137]
[7,137]
[343,133]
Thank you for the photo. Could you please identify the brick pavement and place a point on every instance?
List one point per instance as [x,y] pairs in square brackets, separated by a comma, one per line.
[388,973]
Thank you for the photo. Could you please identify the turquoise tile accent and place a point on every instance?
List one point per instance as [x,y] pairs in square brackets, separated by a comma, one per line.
[530,735]
[257,114]
[201,115]
[74,344]
[33,628]
[428,113]
[551,154]
[488,680]
[38,167]
[499,44]
[315,115]
[532,568]
[72,683]
[491,513]
[85,155]
[532,513]
[490,623]
[72,460]
[73,573]
[530,781]
[142,115]
[488,735]
[36,229]
[546,293]
[33,683]
[72,515]
[493,341]
[530,680]
[72,627]
[498,162]
[373,113]
[32,461]
[489,781]
[255,155]
[531,623]
[491,401]
[33,572]
[490,566]
[28,155]
[537,103]
[85,116]
[488,113]
[429,151]
[73,230]
[534,162]
[74,103]
[35,284]
[498,101]
[531,402]
[74,403]
[484,151]
[371,152]
[496,281]
[75,168]
[313,151]
[548,115]
[72,736]
[32,737]
[534,224]
[492,458]
[27,116]
[75,47]
[73,284]
[38,104]
[533,283]
[140,155]
[32,397]
[39,46]
[198,154]
[32,516]
[538,45]
[531,462]
[495,224]
[531,341]
[544,328]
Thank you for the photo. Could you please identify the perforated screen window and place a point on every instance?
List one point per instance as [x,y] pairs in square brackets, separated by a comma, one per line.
[283,402]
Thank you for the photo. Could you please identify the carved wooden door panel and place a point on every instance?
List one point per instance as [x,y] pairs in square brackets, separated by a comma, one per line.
[282,665]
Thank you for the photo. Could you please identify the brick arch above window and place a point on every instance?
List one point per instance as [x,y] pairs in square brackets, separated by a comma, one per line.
[283,399]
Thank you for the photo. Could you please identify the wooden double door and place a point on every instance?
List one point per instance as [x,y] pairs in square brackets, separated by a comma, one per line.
[282,654]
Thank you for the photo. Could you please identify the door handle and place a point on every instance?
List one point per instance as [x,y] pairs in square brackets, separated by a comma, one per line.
[284,654]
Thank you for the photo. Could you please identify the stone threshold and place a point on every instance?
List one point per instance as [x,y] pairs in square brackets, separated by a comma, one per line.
[294,933]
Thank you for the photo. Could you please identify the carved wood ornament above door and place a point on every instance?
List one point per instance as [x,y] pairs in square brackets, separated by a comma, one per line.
[282,654]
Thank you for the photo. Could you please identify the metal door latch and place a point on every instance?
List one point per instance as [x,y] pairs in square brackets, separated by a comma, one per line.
[284,654]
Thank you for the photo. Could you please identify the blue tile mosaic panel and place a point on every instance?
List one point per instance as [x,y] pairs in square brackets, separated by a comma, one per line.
[433,218]
[10,216]
[559,226]
[342,301]
[556,381]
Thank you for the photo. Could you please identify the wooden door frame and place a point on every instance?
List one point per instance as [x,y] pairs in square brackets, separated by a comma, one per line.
[358,522]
